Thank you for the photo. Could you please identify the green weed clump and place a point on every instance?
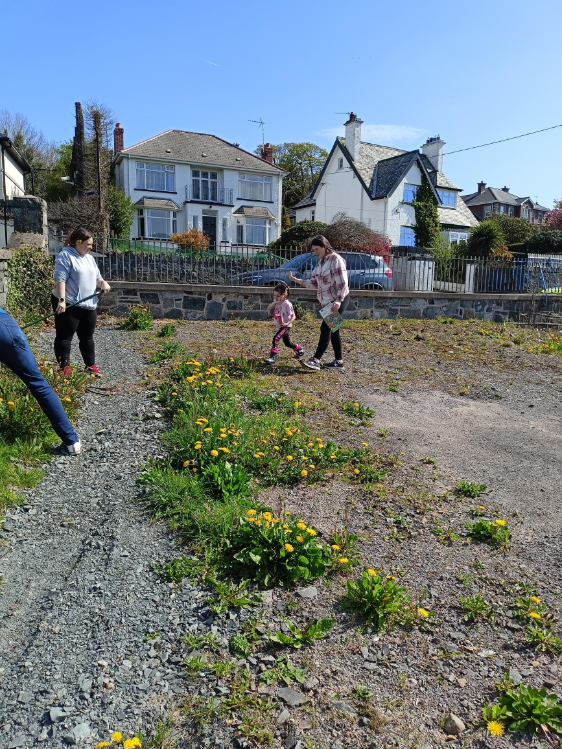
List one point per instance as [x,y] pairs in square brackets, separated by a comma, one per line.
[139,318]
[167,350]
[493,532]
[474,607]
[167,331]
[529,710]
[377,599]
[298,637]
[468,489]
[359,415]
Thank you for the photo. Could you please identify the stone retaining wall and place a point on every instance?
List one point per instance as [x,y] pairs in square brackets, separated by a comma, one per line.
[5,255]
[200,302]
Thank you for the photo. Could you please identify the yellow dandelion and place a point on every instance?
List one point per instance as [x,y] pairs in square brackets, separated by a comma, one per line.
[335,547]
[499,522]
[288,513]
[194,470]
[102,744]
[11,405]
[390,577]
[208,429]
[214,453]
[423,613]
[251,520]
[117,736]
[288,530]
[311,531]
[235,444]
[495,728]
[343,560]
[300,539]
[276,447]
[356,405]
[288,547]
[371,571]
[312,466]
[186,463]
[224,449]
[289,457]
[365,444]
[310,444]
[332,457]
[130,743]
[535,599]
[304,473]
[197,446]
[301,525]
[534,615]
[356,471]
[174,393]
[267,515]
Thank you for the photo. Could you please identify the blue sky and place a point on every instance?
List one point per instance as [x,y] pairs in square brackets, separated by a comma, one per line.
[472,72]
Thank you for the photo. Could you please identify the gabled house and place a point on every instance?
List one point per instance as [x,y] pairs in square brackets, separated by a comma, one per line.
[377,185]
[180,180]
[13,168]
[488,200]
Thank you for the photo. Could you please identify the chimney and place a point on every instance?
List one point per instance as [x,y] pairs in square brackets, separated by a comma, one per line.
[118,139]
[481,187]
[353,135]
[505,189]
[433,149]
[267,153]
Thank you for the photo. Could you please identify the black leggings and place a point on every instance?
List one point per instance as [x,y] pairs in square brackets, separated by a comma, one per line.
[75,320]
[282,333]
[326,334]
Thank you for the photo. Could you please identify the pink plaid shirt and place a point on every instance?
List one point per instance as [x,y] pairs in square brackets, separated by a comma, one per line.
[329,277]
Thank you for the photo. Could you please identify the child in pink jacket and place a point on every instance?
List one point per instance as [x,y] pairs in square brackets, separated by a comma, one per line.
[283,317]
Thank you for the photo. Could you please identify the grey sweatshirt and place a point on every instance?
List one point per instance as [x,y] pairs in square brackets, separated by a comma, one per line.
[80,274]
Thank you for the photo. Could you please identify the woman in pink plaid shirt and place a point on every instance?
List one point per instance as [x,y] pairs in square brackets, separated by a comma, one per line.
[329,278]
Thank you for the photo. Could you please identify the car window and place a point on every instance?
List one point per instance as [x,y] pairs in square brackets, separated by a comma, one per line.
[354,261]
[301,262]
[310,263]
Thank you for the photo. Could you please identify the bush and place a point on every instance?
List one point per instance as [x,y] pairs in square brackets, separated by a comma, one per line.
[545,242]
[191,240]
[347,234]
[491,532]
[484,239]
[513,229]
[121,211]
[517,247]
[298,234]
[139,319]
[30,283]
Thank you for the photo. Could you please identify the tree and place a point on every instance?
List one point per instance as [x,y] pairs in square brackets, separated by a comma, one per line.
[55,188]
[513,229]
[39,152]
[545,242]
[350,234]
[484,239]
[121,211]
[298,234]
[303,162]
[553,218]
[427,228]
[285,220]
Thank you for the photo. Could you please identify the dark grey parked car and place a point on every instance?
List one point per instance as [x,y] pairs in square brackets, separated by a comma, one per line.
[363,271]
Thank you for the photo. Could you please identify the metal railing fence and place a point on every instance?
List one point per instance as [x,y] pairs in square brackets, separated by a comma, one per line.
[250,265]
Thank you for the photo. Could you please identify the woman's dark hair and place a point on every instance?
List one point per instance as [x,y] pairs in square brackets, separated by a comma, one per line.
[282,288]
[320,241]
[78,236]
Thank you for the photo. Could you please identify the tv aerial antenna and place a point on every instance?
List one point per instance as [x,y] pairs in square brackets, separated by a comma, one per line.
[261,123]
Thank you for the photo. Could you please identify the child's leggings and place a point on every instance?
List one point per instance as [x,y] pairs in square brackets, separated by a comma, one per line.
[283,333]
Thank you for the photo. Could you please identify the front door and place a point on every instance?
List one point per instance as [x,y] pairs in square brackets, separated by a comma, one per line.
[210,229]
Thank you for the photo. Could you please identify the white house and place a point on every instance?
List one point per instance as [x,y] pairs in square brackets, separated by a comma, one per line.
[181,180]
[377,184]
[13,168]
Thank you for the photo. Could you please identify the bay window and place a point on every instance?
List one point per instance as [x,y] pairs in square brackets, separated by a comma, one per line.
[447,198]
[252,231]
[160,177]
[205,185]
[153,224]
[254,187]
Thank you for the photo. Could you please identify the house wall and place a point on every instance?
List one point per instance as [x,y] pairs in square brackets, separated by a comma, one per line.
[15,180]
[125,176]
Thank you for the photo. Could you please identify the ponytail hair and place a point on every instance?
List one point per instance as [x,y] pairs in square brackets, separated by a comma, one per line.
[77,236]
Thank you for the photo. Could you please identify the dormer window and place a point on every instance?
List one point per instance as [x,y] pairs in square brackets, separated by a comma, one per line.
[448,198]
[526,212]
[410,192]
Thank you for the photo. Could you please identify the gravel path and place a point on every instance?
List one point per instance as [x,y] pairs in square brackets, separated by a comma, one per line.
[78,597]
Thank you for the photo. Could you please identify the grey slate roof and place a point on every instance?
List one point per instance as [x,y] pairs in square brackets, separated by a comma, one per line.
[190,147]
[495,195]
[161,204]
[369,156]
[460,216]
[253,211]
[308,200]
[389,172]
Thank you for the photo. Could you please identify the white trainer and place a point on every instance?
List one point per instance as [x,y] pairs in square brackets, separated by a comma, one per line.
[74,449]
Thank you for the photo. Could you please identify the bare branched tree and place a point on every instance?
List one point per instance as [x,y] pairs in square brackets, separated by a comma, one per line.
[108,120]
[29,141]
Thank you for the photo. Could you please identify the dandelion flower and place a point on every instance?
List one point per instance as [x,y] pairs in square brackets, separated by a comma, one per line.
[224,449]
[287,512]
[11,405]
[250,513]
[194,470]
[335,547]
[251,520]
[288,530]
[535,599]
[207,429]
[267,515]
[300,539]
[301,525]
[186,463]
[370,571]
[310,444]
[356,405]
[129,744]
[275,447]
[312,466]
[365,444]
[235,444]
[214,453]
[174,393]
[289,457]
[495,728]
[311,531]
[304,473]
[390,577]
[102,744]
[197,446]
[288,547]
[343,560]
[332,457]
[423,613]
[534,615]
[499,522]
[117,736]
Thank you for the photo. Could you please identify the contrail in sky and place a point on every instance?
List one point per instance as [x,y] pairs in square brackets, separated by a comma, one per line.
[210,63]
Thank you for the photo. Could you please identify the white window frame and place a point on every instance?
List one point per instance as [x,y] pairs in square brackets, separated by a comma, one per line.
[147,171]
[502,208]
[527,212]
[195,222]
[456,237]
[448,198]
[146,217]
[409,194]
[407,236]
[204,185]
[510,210]
[255,187]
[224,232]
[487,211]
[253,227]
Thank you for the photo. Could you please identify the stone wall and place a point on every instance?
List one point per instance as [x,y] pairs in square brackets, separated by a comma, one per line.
[201,302]
[5,255]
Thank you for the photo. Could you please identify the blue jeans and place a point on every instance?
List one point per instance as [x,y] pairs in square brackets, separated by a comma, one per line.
[17,356]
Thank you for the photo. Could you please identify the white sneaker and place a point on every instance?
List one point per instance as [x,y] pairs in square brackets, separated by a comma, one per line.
[74,449]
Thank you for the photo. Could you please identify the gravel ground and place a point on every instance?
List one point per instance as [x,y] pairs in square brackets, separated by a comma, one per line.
[75,614]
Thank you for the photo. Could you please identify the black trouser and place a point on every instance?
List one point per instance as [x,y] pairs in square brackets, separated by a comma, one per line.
[75,320]
[282,333]
[326,334]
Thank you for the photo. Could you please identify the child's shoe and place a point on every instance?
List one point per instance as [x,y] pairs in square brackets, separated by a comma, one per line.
[271,359]
[299,352]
